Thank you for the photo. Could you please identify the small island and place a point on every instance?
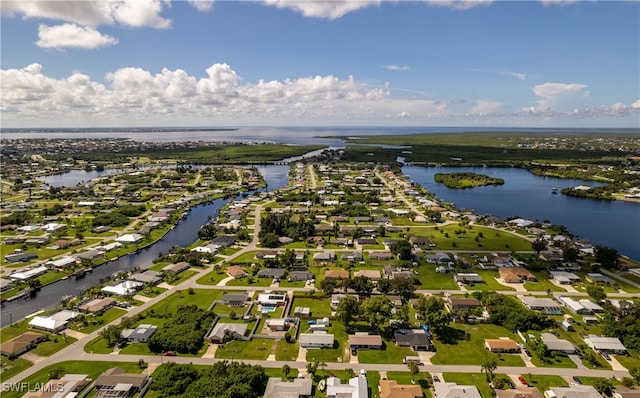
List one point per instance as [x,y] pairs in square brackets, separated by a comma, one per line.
[466,180]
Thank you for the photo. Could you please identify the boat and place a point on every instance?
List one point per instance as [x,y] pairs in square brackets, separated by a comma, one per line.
[554,191]
[81,272]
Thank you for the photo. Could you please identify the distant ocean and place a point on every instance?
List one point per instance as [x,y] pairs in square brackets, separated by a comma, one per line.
[281,135]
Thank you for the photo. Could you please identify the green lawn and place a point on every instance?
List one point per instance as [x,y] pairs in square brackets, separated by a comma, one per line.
[544,382]
[390,353]
[11,367]
[252,281]
[286,351]
[95,322]
[491,239]
[474,379]
[182,276]
[553,362]
[136,349]
[629,361]
[203,298]
[212,278]
[423,379]
[55,344]
[430,279]
[15,330]
[490,283]
[453,348]
[92,369]
[254,349]
[336,354]
[98,346]
[319,306]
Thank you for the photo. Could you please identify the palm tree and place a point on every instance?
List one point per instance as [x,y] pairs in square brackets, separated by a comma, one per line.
[414,369]
[350,373]
[489,365]
[286,369]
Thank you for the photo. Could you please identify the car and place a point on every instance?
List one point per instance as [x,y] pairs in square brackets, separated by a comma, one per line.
[169,354]
[522,380]
[577,380]
[527,353]
[606,356]
[436,379]
[354,351]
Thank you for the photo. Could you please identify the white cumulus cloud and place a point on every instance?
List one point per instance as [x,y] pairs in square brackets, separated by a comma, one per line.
[202,5]
[560,96]
[484,107]
[329,9]
[72,35]
[397,67]
[458,4]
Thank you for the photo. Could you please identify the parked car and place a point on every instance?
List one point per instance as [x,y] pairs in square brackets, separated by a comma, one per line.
[169,354]
[522,380]
[436,379]
[577,380]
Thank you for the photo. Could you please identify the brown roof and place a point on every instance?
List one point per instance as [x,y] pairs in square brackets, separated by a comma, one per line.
[365,339]
[520,392]
[368,273]
[391,389]
[235,271]
[97,304]
[502,344]
[512,273]
[19,343]
[337,273]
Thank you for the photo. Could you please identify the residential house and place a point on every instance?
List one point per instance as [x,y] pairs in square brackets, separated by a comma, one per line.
[364,340]
[5,285]
[553,343]
[463,303]
[439,257]
[176,268]
[53,323]
[276,325]
[296,388]
[126,288]
[544,304]
[116,382]
[20,257]
[351,257]
[147,277]
[295,276]
[453,390]
[597,277]
[624,392]
[609,345]
[68,386]
[520,392]
[235,299]
[272,299]
[385,256]
[371,274]
[327,255]
[468,278]
[516,275]
[267,255]
[419,241]
[20,344]
[302,312]
[502,345]
[335,300]
[356,388]
[337,274]
[97,305]
[140,334]
[273,273]
[318,339]
[391,389]
[417,339]
[227,331]
[576,390]
[564,277]
[236,272]
[223,240]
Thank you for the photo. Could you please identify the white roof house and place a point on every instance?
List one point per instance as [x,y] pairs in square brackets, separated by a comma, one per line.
[271,298]
[53,323]
[64,262]
[590,305]
[357,388]
[125,288]
[573,305]
[318,339]
[452,390]
[129,238]
[574,391]
[608,344]
[555,344]
[28,274]
[52,227]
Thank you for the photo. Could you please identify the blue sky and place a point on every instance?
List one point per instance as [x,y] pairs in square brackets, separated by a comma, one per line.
[280,62]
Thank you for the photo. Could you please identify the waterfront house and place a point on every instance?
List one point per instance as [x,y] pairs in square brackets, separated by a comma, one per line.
[20,344]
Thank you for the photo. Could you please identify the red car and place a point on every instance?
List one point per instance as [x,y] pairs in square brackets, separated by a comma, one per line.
[522,380]
[169,354]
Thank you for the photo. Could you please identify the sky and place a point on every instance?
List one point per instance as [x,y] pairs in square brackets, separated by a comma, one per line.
[484,63]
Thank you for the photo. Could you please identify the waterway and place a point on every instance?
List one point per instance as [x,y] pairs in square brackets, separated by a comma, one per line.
[611,223]
[184,234]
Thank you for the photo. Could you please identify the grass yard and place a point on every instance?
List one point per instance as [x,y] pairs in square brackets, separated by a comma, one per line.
[254,349]
[182,276]
[136,349]
[462,344]
[430,279]
[319,306]
[98,346]
[474,379]
[423,379]
[203,298]
[15,330]
[212,278]
[543,284]
[337,354]
[250,281]
[11,367]
[277,372]
[286,351]
[55,344]
[554,362]
[629,361]
[95,322]
[390,353]
[92,369]
[544,382]
[490,283]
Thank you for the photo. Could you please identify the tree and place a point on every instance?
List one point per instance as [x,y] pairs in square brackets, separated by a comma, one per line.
[606,256]
[350,373]
[312,368]
[384,286]
[111,334]
[403,287]
[538,245]
[635,373]
[402,249]
[348,308]
[57,372]
[361,284]
[433,313]
[378,310]
[489,365]
[269,240]
[286,369]
[328,285]
[413,369]
[288,258]
[596,292]
[603,386]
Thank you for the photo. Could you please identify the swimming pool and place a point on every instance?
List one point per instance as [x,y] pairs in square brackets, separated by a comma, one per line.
[267,309]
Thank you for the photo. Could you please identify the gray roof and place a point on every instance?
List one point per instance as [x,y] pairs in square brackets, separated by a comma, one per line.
[555,344]
[271,273]
[276,388]
[221,328]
